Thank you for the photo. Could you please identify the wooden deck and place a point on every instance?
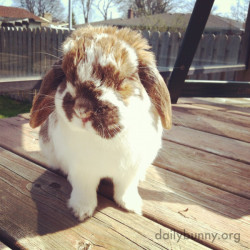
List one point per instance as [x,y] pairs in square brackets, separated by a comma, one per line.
[196,195]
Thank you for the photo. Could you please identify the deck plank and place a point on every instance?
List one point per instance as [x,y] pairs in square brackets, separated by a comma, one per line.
[217,171]
[175,201]
[193,207]
[35,215]
[227,174]
[219,145]
[224,173]
[216,122]
[239,106]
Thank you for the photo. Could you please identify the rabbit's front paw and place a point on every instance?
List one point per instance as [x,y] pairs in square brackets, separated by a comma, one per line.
[130,201]
[81,208]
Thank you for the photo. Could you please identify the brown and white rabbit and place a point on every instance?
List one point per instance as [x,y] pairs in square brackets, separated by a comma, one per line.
[102,109]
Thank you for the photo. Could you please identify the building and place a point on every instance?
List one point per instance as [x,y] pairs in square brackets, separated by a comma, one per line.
[18,17]
[173,22]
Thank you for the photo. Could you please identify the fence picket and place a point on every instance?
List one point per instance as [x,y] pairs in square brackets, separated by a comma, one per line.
[1,49]
[54,44]
[8,50]
[48,48]
[154,42]
[232,53]
[11,53]
[219,53]
[14,55]
[29,52]
[33,51]
[59,43]
[38,51]
[25,51]
[163,52]
[175,40]
[43,51]
[20,51]
[146,34]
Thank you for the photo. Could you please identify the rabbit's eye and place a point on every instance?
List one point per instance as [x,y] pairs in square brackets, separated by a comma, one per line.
[68,104]
[99,111]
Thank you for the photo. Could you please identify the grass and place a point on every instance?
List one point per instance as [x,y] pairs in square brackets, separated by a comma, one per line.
[9,107]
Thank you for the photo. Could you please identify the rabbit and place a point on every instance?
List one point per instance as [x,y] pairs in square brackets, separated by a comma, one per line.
[102,109]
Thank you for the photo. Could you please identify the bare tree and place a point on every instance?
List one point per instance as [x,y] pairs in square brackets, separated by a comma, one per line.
[239,10]
[105,5]
[151,7]
[27,4]
[40,7]
[86,7]
[146,7]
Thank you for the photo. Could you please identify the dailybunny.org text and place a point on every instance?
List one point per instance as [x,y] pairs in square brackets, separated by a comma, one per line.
[172,235]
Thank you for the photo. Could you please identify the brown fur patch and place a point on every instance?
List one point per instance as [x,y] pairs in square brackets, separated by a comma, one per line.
[75,55]
[69,67]
[62,86]
[44,132]
[68,104]
[103,115]
[106,120]
[115,77]
[108,75]
[158,92]
[43,103]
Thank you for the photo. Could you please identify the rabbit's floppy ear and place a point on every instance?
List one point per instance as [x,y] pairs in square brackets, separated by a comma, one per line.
[149,75]
[43,103]
[157,91]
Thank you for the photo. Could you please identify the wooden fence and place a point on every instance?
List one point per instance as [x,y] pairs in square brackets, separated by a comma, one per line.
[212,50]
[26,52]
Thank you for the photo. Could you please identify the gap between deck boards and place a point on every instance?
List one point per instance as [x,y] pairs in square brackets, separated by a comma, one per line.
[207,146]
[171,214]
[109,227]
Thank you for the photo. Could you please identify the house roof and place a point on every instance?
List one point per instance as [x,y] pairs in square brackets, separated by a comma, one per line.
[169,20]
[12,13]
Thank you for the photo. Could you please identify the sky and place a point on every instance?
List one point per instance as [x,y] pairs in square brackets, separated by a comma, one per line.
[223,7]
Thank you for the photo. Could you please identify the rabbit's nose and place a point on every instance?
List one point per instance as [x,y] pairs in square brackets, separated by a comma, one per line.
[86,119]
[84,115]
[83,109]
[83,105]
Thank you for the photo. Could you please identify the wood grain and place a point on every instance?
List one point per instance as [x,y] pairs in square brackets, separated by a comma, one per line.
[35,215]
[217,171]
[17,43]
[216,122]
[199,185]
[239,106]
[207,167]
[185,204]
[167,194]
[219,145]
[193,208]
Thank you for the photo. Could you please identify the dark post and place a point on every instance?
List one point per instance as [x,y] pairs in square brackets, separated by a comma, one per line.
[245,52]
[189,45]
